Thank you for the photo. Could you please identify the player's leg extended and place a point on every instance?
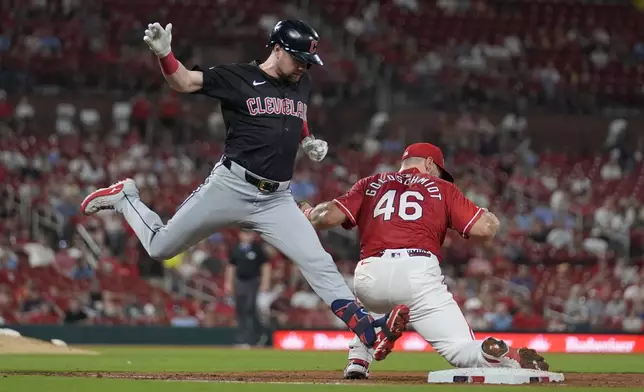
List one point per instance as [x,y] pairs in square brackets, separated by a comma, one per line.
[435,315]
[360,357]
[283,225]
[219,202]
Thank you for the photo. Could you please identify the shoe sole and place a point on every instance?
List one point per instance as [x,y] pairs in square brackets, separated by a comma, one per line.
[396,324]
[494,347]
[355,376]
[109,191]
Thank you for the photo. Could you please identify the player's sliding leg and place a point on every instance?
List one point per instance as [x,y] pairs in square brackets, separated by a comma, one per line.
[435,315]
[282,224]
[456,343]
[418,283]
[223,199]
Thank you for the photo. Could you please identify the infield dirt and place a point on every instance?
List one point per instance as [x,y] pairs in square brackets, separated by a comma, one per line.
[24,345]
[325,377]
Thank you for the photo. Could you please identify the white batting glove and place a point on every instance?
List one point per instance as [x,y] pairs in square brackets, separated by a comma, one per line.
[316,149]
[159,39]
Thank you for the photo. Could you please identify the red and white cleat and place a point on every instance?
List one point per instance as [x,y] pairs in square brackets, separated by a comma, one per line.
[106,198]
[356,369]
[498,351]
[386,338]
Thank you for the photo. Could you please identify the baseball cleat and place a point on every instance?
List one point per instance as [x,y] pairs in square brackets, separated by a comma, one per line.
[496,350]
[106,198]
[390,332]
[356,369]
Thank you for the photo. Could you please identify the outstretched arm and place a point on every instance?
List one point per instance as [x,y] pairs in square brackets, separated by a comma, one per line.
[323,216]
[177,76]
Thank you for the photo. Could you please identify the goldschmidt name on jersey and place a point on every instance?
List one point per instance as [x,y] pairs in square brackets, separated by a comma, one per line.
[405,179]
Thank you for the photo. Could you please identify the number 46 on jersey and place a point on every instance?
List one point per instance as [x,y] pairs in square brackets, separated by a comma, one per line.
[408,207]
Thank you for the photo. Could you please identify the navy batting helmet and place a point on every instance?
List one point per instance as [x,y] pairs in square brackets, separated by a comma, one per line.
[297,38]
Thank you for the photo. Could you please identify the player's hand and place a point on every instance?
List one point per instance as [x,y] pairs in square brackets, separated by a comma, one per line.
[303,205]
[306,208]
[158,38]
[316,149]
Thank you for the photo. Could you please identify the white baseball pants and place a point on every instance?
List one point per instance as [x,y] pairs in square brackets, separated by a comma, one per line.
[381,283]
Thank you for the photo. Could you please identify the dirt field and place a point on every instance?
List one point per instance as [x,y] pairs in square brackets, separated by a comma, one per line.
[325,377]
[24,345]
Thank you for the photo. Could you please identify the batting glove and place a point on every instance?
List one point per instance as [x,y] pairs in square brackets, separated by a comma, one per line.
[159,39]
[316,149]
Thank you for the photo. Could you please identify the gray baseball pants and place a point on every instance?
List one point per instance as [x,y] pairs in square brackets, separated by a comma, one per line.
[225,200]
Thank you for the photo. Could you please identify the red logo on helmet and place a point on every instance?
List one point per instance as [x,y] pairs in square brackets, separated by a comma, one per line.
[314,47]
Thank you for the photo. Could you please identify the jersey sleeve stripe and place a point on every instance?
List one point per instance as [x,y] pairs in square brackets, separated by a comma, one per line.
[346,211]
[472,221]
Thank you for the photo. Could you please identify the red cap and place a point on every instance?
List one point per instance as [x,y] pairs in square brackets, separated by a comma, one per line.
[428,150]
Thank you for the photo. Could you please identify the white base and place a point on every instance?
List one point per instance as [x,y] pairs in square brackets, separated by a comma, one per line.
[493,376]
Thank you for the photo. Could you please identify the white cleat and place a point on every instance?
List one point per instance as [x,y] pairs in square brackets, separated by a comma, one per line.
[106,198]
[356,369]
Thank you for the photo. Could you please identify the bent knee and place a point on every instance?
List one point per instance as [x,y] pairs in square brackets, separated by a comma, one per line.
[161,254]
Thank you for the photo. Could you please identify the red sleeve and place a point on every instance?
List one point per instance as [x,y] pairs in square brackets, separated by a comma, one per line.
[462,212]
[350,204]
[305,130]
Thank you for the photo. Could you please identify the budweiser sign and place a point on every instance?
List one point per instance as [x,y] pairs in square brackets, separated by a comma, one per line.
[411,341]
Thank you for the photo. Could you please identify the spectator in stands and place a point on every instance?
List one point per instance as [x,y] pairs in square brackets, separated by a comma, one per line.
[616,307]
[635,291]
[479,264]
[555,322]
[499,319]
[39,252]
[561,236]
[596,309]
[576,311]
[633,322]
[579,181]
[192,260]
[611,170]
[95,295]
[539,232]
[305,298]
[302,186]
[524,217]
[279,311]
[6,109]
[132,308]
[169,109]
[523,277]
[141,111]
[527,320]
[82,270]
[184,319]
[5,297]
[31,302]
[475,314]
[346,268]
[75,314]
[8,260]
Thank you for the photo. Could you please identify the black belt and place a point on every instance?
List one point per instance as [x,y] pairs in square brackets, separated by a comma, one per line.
[263,185]
[410,252]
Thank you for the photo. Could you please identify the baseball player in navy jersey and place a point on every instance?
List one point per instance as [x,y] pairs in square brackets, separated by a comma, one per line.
[264,106]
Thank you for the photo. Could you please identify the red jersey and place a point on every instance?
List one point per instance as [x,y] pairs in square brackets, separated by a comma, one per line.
[406,210]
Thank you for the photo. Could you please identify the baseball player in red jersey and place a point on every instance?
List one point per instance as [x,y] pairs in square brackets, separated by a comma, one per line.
[403,218]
